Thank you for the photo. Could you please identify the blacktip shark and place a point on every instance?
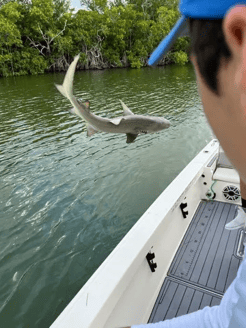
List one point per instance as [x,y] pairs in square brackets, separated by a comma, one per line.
[130,124]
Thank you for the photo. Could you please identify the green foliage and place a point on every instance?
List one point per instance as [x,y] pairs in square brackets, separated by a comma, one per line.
[9,32]
[95,5]
[182,43]
[150,7]
[179,57]
[44,35]
[28,61]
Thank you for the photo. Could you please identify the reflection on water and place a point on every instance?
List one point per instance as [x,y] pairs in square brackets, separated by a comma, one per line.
[67,200]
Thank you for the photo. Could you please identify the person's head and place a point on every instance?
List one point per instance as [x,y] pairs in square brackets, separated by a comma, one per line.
[218,53]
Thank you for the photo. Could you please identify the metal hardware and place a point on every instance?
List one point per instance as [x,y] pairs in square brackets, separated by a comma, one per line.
[152,265]
[241,243]
[184,213]
[210,195]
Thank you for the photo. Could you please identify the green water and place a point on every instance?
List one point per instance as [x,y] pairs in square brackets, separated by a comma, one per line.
[66,199]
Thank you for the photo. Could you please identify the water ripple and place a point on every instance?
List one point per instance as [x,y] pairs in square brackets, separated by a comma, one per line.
[66,199]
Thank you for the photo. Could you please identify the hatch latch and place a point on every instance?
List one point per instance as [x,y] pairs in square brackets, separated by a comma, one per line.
[182,207]
[152,265]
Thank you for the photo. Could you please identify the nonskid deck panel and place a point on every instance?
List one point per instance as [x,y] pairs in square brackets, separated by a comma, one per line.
[178,298]
[204,265]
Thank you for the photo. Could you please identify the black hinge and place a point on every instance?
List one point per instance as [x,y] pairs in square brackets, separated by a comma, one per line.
[184,213]
[152,265]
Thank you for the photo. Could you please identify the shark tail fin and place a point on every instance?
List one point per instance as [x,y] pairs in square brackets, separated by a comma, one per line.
[61,89]
[66,89]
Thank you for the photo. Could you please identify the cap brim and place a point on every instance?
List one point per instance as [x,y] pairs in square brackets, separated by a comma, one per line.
[168,41]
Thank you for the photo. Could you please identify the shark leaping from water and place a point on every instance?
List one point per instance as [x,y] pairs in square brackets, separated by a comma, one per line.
[130,124]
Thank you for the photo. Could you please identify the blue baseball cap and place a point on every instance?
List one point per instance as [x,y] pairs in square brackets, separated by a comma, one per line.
[198,9]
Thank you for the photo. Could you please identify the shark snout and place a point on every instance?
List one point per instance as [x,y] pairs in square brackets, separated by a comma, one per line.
[165,123]
[158,124]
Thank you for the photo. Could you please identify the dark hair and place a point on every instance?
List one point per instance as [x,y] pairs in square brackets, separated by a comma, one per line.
[209,46]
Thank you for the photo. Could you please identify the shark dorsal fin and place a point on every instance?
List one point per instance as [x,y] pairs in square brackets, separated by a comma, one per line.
[116,120]
[126,110]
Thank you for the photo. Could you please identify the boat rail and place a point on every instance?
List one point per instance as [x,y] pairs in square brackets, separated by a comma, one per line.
[123,290]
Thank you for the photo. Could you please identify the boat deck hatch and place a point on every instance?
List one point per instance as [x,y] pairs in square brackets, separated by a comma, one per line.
[204,265]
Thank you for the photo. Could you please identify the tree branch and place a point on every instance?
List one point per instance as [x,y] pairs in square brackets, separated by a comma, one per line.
[47,39]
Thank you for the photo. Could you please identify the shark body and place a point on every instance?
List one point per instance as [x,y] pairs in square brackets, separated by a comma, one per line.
[130,124]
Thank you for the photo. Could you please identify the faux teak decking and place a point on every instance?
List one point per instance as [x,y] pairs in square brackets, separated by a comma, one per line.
[204,265]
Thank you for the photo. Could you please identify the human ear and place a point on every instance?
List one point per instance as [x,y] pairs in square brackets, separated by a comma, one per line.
[234,28]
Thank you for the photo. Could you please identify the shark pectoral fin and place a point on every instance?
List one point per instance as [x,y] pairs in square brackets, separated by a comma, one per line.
[90,130]
[126,110]
[116,120]
[130,137]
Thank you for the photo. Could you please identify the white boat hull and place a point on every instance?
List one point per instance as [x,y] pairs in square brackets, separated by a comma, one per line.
[123,290]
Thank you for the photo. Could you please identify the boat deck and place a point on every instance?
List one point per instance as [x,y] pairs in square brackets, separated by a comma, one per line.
[204,265]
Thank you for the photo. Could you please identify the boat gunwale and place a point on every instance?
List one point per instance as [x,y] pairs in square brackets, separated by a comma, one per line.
[99,296]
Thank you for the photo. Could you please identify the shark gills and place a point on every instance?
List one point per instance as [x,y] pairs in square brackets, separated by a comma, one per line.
[130,124]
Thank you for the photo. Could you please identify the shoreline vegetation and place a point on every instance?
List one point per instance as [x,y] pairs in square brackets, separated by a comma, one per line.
[38,36]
